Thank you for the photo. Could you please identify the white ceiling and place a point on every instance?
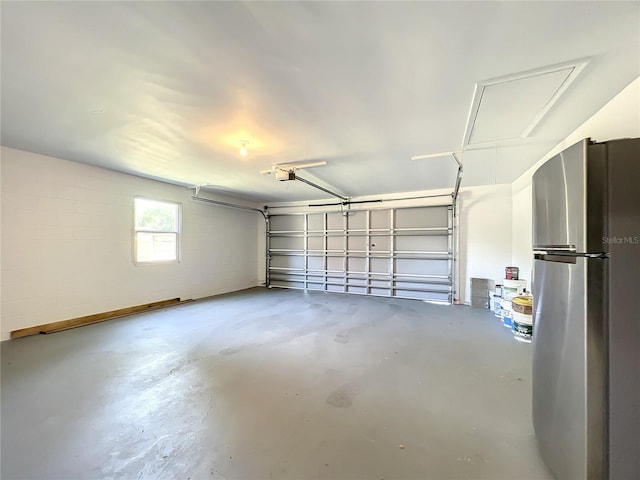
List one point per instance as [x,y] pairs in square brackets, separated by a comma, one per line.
[169,90]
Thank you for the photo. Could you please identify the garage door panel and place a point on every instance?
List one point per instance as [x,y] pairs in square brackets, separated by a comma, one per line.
[315,243]
[380,292]
[335,263]
[315,221]
[290,243]
[425,217]
[418,286]
[419,295]
[286,284]
[287,261]
[358,243]
[380,265]
[358,290]
[335,221]
[316,263]
[431,243]
[357,220]
[421,267]
[356,264]
[380,219]
[380,243]
[336,243]
[287,223]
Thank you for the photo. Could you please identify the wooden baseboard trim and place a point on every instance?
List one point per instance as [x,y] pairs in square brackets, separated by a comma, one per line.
[95,318]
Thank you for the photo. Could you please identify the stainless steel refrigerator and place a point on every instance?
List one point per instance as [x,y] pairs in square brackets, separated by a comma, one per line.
[586,288]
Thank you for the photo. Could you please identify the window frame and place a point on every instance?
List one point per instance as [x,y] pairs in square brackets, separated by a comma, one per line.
[177,232]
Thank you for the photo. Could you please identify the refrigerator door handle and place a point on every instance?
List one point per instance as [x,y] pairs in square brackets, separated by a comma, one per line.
[555,248]
[565,256]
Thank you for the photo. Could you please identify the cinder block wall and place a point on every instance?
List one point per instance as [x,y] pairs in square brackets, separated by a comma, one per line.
[67,232]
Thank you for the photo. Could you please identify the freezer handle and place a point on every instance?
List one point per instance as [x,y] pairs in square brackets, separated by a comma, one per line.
[564,256]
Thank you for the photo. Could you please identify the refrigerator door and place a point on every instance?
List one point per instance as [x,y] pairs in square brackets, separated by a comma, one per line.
[559,201]
[559,366]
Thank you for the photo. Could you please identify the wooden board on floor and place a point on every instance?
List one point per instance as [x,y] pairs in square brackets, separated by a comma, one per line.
[95,318]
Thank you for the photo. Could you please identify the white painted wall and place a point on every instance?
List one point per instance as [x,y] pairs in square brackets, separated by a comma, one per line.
[521,230]
[485,234]
[67,243]
[620,118]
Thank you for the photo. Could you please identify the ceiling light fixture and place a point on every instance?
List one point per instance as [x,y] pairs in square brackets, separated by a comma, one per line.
[243,148]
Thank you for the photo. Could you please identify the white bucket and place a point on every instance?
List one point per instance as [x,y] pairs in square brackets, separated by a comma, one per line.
[512,288]
[492,300]
[506,312]
[522,326]
[497,303]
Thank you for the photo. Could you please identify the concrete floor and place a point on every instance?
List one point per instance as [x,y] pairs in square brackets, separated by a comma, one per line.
[275,384]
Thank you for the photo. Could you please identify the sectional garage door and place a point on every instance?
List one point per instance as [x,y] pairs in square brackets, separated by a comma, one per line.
[393,252]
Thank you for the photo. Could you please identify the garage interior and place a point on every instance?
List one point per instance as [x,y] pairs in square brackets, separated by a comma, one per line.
[264,218]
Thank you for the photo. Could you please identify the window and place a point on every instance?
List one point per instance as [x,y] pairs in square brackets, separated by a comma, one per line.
[157,231]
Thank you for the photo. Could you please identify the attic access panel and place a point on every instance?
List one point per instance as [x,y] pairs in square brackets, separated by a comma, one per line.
[512,106]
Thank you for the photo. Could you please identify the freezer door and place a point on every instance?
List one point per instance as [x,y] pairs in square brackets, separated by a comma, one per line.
[559,367]
[559,200]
